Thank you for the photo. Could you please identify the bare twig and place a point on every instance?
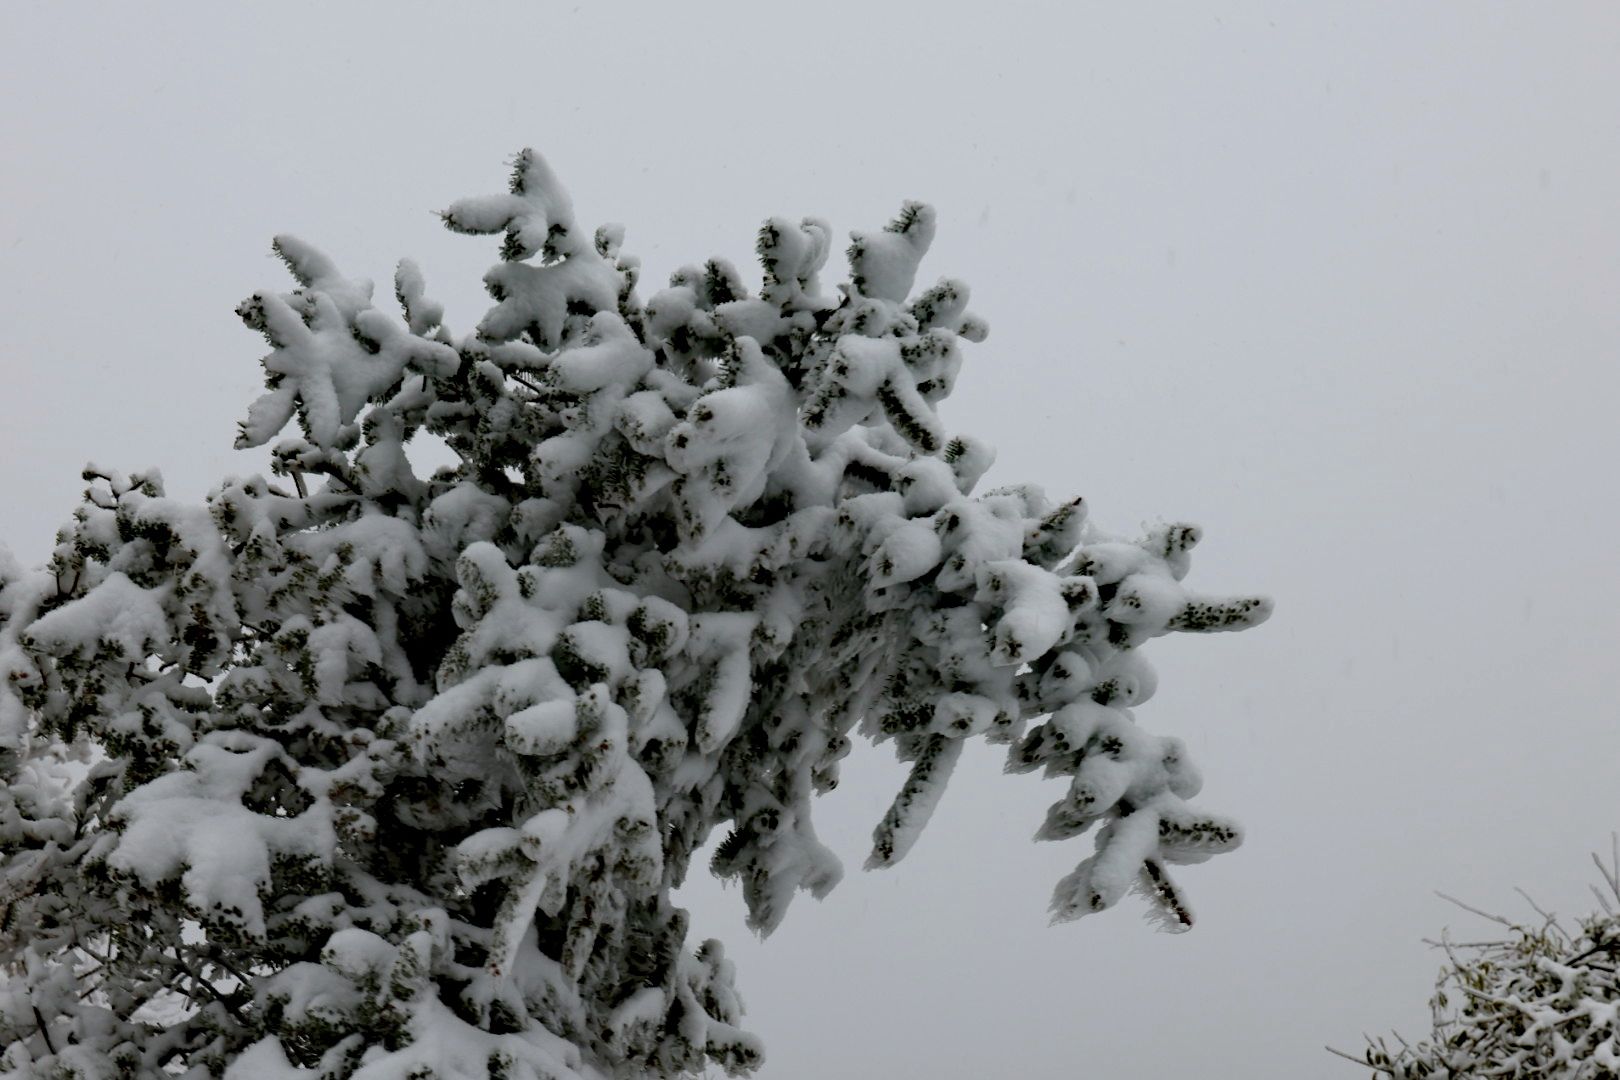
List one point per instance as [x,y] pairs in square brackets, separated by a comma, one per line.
[1471,908]
[525,382]
[198,982]
[1611,873]
[1608,909]
[44,1030]
[1551,919]
[1347,1057]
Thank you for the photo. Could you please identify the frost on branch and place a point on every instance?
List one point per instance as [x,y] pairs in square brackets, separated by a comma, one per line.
[359,772]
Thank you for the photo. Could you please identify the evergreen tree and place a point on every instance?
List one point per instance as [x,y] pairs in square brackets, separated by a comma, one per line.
[1543,1001]
[358,773]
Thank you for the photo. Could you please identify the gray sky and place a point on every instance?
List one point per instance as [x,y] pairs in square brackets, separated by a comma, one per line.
[1337,281]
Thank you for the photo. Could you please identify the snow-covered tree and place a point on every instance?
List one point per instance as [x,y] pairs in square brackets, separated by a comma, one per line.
[1543,1001]
[359,772]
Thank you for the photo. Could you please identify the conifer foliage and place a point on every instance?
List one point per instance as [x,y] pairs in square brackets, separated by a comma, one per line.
[353,772]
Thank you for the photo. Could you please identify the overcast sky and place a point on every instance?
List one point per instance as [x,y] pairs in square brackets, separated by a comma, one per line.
[1339,282]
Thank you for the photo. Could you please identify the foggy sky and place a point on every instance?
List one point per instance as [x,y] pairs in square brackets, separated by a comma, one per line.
[1339,282]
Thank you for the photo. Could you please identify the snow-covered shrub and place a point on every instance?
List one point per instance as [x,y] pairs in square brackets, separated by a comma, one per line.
[1543,1001]
[364,773]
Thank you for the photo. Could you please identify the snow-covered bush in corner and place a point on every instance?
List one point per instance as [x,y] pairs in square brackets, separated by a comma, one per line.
[364,773]
[1542,1002]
